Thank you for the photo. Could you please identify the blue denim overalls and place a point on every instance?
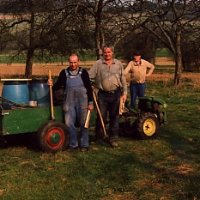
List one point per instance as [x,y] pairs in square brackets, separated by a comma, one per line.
[75,108]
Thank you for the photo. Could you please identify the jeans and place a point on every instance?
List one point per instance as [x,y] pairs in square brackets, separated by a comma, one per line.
[75,108]
[108,104]
[136,90]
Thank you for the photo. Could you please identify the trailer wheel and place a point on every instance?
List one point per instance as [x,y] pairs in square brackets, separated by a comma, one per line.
[147,126]
[53,137]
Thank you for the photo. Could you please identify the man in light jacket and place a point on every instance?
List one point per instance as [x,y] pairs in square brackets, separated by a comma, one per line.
[139,69]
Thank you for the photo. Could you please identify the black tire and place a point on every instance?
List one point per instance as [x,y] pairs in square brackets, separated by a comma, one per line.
[53,137]
[126,129]
[147,126]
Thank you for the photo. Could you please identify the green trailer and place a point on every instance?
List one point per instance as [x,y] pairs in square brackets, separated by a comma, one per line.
[26,107]
[18,119]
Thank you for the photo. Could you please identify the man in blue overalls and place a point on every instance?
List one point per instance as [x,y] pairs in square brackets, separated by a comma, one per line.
[78,100]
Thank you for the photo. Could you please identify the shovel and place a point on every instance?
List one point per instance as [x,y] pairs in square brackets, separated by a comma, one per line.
[100,115]
[51,97]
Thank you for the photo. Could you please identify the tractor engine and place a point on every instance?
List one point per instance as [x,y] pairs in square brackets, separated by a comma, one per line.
[153,105]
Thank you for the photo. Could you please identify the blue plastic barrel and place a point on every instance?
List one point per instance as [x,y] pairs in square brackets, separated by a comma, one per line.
[39,91]
[16,91]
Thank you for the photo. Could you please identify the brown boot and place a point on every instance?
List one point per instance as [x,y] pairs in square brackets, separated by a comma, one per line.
[113,143]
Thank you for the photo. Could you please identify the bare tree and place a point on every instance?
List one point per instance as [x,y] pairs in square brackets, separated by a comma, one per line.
[95,14]
[191,50]
[62,25]
[38,25]
[38,28]
[168,20]
[109,20]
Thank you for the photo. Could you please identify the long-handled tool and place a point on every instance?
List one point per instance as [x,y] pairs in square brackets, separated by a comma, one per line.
[51,97]
[100,115]
[87,120]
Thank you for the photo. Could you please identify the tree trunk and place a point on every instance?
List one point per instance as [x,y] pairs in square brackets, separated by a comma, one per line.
[31,49]
[29,63]
[99,38]
[178,58]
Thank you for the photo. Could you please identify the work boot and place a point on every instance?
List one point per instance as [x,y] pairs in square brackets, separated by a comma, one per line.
[84,149]
[72,149]
[113,143]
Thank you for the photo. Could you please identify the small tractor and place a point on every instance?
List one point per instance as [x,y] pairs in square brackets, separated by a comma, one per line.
[145,122]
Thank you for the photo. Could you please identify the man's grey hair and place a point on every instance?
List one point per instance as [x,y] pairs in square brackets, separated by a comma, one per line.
[108,47]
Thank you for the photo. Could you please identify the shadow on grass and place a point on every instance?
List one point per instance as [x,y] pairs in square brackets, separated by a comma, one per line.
[183,145]
[27,140]
[184,170]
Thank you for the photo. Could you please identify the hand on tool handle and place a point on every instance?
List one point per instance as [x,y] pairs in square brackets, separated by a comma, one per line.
[123,98]
[90,106]
[50,82]
[122,104]
[90,109]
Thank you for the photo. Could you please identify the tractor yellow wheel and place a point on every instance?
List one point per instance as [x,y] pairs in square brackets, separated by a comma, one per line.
[147,126]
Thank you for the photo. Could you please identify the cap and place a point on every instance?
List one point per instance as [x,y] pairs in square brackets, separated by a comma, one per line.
[137,53]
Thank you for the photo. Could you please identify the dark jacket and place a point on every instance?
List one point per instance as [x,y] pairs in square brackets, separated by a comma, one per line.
[61,82]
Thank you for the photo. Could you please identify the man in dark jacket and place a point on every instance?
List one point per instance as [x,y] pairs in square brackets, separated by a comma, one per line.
[77,101]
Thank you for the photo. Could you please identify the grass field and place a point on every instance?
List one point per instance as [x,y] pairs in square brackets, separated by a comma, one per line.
[166,168]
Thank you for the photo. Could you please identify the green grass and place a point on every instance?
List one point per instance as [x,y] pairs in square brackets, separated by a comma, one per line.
[8,58]
[164,69]
[164,168]
[163,52]
[47,58]
[22,59]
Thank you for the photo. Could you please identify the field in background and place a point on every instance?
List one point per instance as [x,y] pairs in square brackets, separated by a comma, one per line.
[163,72]
[42,68]
[17,70]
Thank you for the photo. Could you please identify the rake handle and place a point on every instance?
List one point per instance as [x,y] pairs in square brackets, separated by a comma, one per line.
[51,97]
[100,115]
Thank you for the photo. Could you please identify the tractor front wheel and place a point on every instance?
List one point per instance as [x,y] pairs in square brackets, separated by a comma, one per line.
[53,137]
[147,126]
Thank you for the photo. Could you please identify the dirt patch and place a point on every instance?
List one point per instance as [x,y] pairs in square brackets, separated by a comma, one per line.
[184,169]
[124,196]
[11,70]
[164,61]
[39,69]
